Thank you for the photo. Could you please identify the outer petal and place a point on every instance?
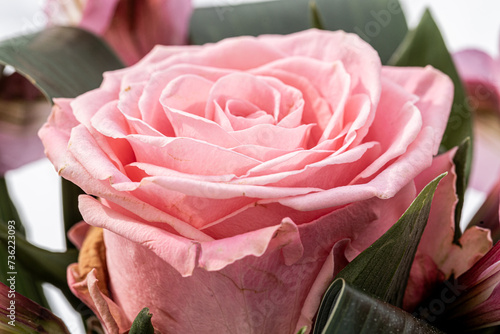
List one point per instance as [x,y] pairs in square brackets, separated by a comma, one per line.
[262,292]
[109,313]
[435,92]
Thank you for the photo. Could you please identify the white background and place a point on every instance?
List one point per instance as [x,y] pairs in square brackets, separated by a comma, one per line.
[35,187]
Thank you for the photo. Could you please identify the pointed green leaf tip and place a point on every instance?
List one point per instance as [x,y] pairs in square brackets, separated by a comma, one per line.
[302,330]
[315,16]
[142,323]
[380,272]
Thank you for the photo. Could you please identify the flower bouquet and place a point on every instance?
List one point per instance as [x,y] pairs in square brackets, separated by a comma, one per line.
[291,166]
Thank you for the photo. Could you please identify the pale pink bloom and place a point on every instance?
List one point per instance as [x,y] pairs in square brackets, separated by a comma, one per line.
[481,75]
[236,179]
[131,27]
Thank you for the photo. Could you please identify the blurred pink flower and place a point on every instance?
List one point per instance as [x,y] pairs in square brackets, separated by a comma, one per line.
[481,75]
[476,295]
[131,27]
[22,112]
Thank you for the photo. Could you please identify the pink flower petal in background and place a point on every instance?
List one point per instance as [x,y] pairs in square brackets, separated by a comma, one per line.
[477,295]
[481,75]
[132,28]
[22,111]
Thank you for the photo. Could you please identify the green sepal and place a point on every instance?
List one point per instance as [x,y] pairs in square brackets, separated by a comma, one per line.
[142,323]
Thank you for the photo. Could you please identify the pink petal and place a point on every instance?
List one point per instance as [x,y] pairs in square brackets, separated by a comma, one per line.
[263,292]
[435,92]
[316,108]
[56,132]
[188,93]
[189,155]
[77,233]
[97,16]
[359,59]
[153,22]
[179,252]
[384,185]
[110,315]
[331,82]
[256,90]
[436,250]
[481,76]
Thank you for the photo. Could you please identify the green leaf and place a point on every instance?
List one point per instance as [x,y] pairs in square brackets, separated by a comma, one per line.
[71,213]
[382,270]
[142,323]
[460,161]
[379,22]
[8,210]
[21,315]
[425,46]
[51,266]
[316,20]
[27,283]
[303,330]
[61,62]
[354,312]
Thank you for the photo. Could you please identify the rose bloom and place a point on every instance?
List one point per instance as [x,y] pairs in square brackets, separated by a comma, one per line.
[234,180]
[132,28]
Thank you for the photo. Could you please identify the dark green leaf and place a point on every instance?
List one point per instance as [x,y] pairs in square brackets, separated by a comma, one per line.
[142,323]
[352,312]
[379,22]
[8,210]
[316,20]
[460,161]
[425,46]
[27,283]
[51,266]
[382,270]
[60,61]
[71,213]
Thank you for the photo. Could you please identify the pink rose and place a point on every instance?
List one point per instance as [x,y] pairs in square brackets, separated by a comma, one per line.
[132,28]
[236,179]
